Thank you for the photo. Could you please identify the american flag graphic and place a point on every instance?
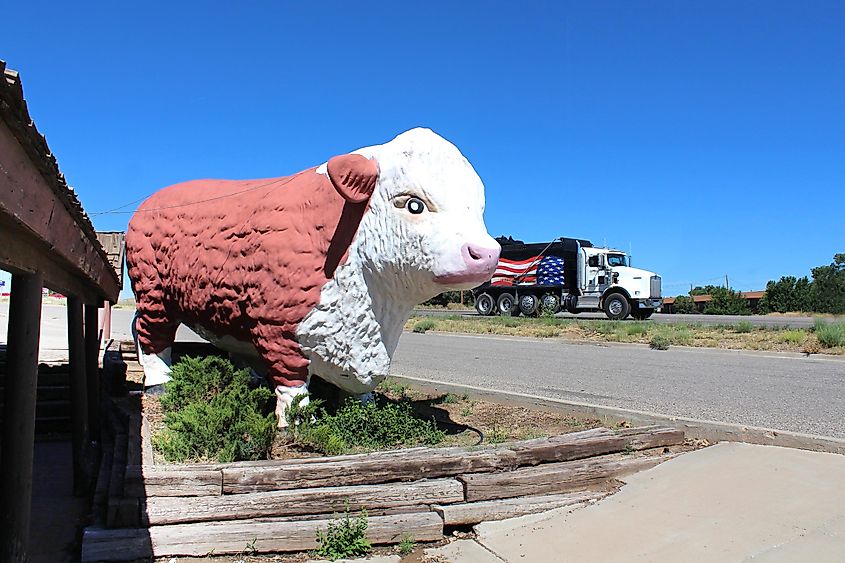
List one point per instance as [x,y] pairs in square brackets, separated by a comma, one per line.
[537,269]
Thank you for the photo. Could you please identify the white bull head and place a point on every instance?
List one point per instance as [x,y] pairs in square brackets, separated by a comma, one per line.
[422,234]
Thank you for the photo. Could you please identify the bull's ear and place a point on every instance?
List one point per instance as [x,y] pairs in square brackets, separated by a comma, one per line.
[353,176]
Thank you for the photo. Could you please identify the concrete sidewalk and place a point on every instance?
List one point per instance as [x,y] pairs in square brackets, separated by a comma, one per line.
[729,502]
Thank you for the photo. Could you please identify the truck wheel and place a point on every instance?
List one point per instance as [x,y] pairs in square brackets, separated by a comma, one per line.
[506,303]
[616,306]
[550,303]
[642,314]
[529,304]
[571,306]
[484,304]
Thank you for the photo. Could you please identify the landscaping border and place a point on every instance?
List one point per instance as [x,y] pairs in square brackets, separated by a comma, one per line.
[148,510]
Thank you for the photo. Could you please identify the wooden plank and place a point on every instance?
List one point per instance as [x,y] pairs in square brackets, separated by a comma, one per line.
[161,482]
[18,433]
[402,465]
[267,535]
[554,477]
[468,513]
[164,510]
[147,457]
[431,463]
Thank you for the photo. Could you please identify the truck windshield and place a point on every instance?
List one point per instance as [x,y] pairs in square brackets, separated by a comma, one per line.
[617,260]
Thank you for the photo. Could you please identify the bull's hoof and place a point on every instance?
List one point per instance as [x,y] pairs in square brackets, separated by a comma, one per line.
[154,390]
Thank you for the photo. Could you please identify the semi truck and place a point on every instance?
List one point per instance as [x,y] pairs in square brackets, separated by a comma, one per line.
[567,274]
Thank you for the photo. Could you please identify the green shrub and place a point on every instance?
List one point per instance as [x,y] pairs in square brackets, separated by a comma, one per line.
[744,327]
[636,329]
[830,335]
[212,412]
[792,336]
[660,342]
[358,427]
[424,325]
[344,537]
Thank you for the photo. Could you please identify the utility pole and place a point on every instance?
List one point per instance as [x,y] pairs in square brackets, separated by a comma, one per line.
[727,285]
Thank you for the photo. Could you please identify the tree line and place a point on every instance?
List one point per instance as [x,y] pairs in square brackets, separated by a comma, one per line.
[824,293]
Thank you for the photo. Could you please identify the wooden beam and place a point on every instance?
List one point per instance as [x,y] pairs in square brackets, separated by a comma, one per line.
[410,465]
[174,510]
[31,199]
[263,535]
[79,394]
[469,513]
[21,252]
[92,370]
[19,417]
[552,478]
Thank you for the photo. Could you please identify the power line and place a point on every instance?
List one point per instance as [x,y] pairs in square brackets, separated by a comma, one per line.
[115,211]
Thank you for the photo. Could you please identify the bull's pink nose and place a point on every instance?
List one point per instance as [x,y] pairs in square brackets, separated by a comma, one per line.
[480,259]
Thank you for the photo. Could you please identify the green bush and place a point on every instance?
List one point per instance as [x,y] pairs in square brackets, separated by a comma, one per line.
[725,301]
[360,427]
[344,537]
[830,335]
[424,325]
[660,342]
[684,304]
[212,412]
[744,327]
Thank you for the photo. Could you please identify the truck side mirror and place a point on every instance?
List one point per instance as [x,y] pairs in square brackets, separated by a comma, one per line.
[593,262]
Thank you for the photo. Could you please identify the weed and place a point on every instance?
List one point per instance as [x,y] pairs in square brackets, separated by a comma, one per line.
[744,327]
[407,545]
[447,399]
[546,332]
[211,412]
[344,537]
[393,388]
[636,329]
[424,325]
[355,426]
[659,342]
[629,449]
[791,336]
[830,335]
[509,322]
[497,435]
[468,409]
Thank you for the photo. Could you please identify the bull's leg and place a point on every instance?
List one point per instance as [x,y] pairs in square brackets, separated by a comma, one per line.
[156,364]
[287,366]
[284,398]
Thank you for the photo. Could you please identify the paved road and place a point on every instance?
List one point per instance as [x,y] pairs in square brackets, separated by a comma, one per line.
[782,391]
[756,320]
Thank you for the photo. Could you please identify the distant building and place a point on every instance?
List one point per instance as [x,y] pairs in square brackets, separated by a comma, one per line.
[752,297]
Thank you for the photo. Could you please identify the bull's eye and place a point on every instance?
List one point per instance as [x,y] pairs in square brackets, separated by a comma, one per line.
[415,205]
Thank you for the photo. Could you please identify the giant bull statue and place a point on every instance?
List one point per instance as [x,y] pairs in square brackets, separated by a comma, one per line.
[314,273]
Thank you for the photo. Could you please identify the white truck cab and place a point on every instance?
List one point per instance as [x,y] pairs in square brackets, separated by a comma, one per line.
[608,282]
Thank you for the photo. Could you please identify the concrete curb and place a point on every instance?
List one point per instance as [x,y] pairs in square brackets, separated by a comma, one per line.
[710,430]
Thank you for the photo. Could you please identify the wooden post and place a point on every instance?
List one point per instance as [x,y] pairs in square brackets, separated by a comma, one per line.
[19,416]
[78,393]
[92,370]
[106,320]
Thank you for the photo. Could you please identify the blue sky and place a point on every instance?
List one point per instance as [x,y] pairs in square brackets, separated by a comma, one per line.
[707,137]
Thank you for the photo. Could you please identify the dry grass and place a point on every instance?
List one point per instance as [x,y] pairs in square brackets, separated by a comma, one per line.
[740,336]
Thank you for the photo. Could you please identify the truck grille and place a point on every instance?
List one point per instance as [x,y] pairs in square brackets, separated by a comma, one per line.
[655,288]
